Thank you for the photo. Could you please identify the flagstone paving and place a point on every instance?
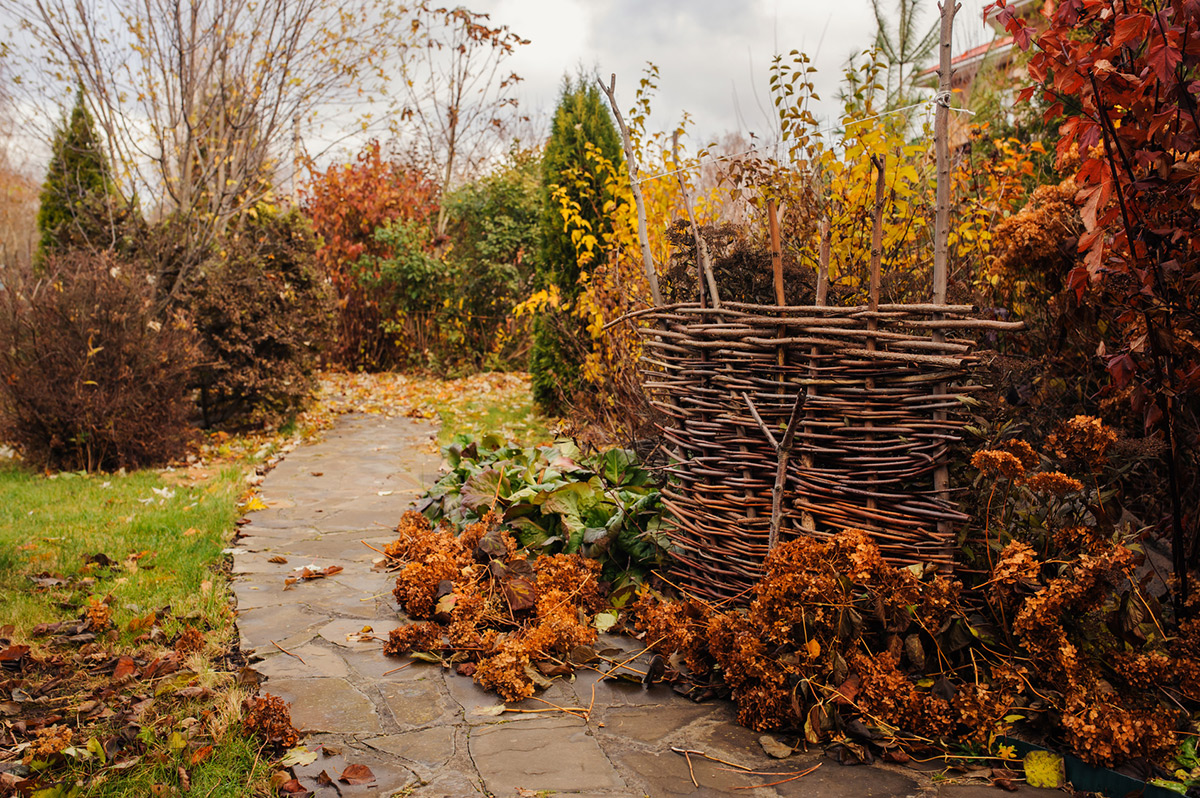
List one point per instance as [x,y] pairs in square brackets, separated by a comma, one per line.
[425,731]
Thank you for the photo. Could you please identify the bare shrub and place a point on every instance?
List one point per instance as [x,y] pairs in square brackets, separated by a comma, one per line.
[89,379]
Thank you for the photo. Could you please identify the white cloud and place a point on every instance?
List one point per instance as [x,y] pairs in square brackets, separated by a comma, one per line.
[713,55]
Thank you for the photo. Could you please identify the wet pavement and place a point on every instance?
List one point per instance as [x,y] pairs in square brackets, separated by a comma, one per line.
[425,731]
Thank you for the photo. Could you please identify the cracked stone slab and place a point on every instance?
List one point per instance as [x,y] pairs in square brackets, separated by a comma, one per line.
[259,626]
[310,661]
[651,724]
[327,705]
[545,754]
[390,776]
[345,633]
[419,703]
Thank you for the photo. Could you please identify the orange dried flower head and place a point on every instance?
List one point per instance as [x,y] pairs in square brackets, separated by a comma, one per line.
[1021,450]
[191,640]
[1084,440]
[1054,482]
[995,463]
[507,671]
[48,742]
[1017,562]
[99,614]
[423,636]
[268,716]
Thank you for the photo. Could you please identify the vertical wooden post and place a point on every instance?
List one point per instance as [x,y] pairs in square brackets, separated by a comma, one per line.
[876,269]
[941,228]
[823,263]
[702,255]
[807,521]
[776,252]
[636,186]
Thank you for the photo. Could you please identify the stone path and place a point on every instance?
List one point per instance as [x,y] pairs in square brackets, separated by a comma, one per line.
[425,731]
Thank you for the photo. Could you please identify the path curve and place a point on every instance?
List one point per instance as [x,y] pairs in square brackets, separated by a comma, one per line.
[420,729]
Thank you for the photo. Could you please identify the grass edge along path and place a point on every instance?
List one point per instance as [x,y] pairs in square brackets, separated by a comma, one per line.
[136,563]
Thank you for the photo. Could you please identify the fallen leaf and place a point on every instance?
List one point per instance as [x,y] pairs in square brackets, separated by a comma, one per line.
[254,505]
[293,787]
[357,774]
[278,560]
[200,754]
[774,748]
[249,676]
[324,779]
[125,668]
[300,755]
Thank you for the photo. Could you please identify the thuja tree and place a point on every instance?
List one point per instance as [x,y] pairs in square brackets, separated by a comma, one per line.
[1125,76]
[570,176]
[79,200]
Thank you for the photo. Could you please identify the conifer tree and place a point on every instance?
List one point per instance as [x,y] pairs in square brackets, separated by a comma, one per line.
[79,198]
[560,339]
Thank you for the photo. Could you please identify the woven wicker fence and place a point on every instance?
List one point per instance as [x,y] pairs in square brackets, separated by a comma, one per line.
[883,390]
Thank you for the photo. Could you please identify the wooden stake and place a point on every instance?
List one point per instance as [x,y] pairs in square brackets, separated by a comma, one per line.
[941,228]
[776,251]
[823,264]
[807,461]
[876,268]
[631,165]
[701,247]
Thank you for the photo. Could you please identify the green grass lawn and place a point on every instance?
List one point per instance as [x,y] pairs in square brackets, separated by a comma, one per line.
[149,545]
[164,541]
[509,414]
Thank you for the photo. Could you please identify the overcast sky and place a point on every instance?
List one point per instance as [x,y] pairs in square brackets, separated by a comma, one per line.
[713,55]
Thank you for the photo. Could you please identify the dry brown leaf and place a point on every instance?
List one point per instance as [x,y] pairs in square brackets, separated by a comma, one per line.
[357,774]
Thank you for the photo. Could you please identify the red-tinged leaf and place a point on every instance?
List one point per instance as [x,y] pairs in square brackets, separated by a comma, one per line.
[125,668]
[1021,32]
[293,787]
[1163,58]
[356,774]
[13,653]
[324,779]
[1130,28]
[1077,281]
[520,593]
[200,754]
[1122,368]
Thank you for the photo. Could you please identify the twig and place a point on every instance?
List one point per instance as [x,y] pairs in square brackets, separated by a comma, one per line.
[766,772]
[569,710]
[554,709]
[703,260]
[372,548]
[290,654]
[783,453]
[402,667]
[710,758]
[781,781]
[692,773]
[636,186]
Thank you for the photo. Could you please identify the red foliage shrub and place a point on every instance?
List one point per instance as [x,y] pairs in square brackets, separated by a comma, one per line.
[89,379]
[347,204]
